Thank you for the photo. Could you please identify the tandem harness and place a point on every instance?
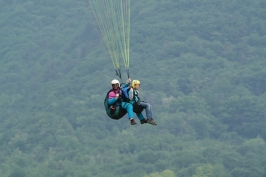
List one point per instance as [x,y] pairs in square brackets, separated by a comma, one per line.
[115,111]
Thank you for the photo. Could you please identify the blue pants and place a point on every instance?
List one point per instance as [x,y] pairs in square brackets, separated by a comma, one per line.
[140,116]
[130,113]
[129,109]
[147,108]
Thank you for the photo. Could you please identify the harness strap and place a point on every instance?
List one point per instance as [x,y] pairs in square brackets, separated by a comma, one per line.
[118,73]
[127,73]
[135,95]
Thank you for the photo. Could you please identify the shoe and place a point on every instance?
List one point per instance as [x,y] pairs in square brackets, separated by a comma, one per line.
[143,121]
[132,121]
[151,121]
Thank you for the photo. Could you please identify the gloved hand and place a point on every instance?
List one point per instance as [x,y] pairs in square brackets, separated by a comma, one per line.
[128,81]
[117,95]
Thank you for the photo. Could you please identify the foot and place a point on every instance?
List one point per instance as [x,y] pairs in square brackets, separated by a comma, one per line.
[151,121]
[143,121]
[132,121]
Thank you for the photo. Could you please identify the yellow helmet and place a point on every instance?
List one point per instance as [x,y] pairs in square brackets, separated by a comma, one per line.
[134,82]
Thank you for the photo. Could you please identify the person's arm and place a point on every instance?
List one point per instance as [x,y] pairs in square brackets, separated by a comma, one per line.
[127,84]
[112,97]
[130,94]
[128,81]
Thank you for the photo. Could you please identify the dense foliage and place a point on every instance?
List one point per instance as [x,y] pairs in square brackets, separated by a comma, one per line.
[201,65]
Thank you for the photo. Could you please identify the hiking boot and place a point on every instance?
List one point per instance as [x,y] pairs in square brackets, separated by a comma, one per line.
[143,121]
[151,121]
[132,121]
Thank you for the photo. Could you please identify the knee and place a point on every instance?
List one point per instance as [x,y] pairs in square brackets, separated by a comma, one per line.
[129,106]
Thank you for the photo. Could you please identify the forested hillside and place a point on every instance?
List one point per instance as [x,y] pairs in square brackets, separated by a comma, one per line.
[201,65]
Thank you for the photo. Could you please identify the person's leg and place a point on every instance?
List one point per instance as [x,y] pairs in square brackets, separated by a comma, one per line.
[130,113]
[147,108]
[141,118]
[129,109]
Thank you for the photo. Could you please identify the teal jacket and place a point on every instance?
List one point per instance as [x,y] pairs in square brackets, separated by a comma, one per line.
[133,95]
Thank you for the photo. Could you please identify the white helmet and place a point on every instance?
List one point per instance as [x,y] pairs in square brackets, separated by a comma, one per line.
[115,82]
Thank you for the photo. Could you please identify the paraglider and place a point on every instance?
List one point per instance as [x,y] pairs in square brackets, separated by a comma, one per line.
[113,18]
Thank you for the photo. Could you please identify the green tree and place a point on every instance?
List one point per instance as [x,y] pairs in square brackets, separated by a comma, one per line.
[209,170]
[165,173]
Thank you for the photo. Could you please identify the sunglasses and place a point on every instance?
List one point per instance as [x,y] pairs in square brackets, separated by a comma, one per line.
[114,84]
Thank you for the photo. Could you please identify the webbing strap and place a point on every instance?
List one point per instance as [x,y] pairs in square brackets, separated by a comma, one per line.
[127,69]
[118,73]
